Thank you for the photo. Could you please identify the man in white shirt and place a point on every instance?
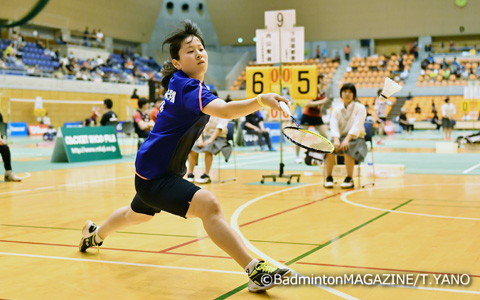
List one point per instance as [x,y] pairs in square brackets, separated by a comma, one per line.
[448,112]
[347,131]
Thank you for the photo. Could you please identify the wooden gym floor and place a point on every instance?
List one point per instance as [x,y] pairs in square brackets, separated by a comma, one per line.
[417,227]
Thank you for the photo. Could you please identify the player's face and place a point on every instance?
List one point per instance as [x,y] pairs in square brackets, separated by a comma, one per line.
[347,96]
[193,58]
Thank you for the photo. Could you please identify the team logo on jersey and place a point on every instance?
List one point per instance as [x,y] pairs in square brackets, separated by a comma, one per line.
[170,96]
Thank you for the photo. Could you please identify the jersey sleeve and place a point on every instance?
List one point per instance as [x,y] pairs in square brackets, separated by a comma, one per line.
[197,96]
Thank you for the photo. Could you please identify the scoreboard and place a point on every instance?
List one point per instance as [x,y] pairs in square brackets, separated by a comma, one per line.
[301,81]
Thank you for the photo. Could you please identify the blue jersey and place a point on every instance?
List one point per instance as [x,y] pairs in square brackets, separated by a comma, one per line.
[179,124]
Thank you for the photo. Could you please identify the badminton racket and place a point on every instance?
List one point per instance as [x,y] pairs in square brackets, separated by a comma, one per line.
[305,138]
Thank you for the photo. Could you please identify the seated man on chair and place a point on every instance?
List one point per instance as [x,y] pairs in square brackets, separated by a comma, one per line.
[347,131]
[212,141]
[254,125]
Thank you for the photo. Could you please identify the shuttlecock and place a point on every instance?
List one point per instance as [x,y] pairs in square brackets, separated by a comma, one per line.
[390,87]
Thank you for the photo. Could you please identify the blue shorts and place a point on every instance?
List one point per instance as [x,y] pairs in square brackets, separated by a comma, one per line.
[169,193]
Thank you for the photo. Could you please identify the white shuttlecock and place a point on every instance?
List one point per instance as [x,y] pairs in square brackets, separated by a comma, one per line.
[390,87]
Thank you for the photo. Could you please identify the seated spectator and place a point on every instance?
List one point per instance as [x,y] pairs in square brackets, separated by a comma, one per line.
[109,115]
[254,125]
[403,121]
[212,141]
[156,109]
[347,131]
[92,120]
[141,120]
[418,109]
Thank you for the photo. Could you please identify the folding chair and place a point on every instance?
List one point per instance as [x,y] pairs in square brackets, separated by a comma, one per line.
[369,139]
[231,143]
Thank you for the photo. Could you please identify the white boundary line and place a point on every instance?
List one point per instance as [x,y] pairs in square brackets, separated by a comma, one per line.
[344,196]
[65,185]
[234,224]
[471,169]
[435,289]
[122,263]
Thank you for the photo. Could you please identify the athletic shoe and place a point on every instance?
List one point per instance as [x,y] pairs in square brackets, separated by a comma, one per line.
[328,182]
[298,160]
[204,179]
[190,177]
[347,183]
[89,232]
[263,277]
[12,177]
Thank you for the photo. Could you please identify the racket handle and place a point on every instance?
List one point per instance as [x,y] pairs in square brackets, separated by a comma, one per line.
[285,108]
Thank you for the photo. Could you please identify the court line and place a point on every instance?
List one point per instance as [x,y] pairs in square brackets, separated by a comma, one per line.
[122,263]
[235,226]
[344,196]
[65,185]
[471,169]
[379,269]
[435,289]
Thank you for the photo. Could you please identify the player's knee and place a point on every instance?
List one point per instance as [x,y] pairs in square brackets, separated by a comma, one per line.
[209,206]
[137,218]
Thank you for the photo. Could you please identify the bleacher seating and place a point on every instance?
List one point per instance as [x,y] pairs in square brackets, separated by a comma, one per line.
[370,72]
[425,104]
[434,75]
[35,60]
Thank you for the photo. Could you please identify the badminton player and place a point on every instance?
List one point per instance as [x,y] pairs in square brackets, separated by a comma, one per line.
[161,160]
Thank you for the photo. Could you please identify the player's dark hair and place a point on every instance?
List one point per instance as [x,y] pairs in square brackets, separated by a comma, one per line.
[108,103]
[188,29]
[141,102]
[351,87]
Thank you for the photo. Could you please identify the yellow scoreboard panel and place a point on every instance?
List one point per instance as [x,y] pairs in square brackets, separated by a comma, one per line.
[300,80]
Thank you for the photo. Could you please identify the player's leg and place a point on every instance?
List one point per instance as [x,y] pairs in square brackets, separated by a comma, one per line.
[7,163]
[192,162]
[136,213]
[350,165]
[329,163]
[205,178]
[205,206]
[121,218]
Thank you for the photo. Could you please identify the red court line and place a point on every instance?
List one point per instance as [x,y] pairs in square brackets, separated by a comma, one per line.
[251,222]
[182,244]
[380,269]
[166,251]
[287,210]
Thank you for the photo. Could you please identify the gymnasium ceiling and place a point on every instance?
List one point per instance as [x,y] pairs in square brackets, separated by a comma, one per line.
[348,19]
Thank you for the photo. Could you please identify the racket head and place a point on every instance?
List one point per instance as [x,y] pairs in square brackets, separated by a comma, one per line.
[308,139]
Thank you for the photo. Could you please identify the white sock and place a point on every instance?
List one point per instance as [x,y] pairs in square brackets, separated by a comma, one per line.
[249,268]
[8,173]
[98,239]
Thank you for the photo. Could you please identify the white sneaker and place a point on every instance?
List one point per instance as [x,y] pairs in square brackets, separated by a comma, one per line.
[328,184]
[263,277]
[347,183]
[12,177]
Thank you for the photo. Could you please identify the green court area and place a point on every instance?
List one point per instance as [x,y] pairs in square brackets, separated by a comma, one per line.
[416,152]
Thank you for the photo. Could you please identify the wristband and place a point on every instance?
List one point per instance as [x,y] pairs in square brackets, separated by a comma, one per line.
[259,100]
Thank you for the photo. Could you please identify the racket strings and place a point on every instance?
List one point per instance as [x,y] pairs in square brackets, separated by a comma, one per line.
[308,139]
